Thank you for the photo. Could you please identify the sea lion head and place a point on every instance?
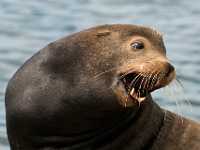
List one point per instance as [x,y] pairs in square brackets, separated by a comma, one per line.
[128,61]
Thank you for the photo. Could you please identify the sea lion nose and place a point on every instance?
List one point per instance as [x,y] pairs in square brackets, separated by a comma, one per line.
[169,68]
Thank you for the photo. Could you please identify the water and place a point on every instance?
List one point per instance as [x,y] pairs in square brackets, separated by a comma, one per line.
[27,26]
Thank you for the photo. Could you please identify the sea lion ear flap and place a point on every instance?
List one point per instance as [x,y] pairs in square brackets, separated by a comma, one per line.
[103,33]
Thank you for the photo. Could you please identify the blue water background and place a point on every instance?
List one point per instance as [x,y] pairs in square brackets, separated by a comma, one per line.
[28,25]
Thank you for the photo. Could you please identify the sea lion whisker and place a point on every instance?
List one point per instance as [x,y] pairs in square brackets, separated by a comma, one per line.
[148,80]
[139,101]
[135,80]
[178,83]
[104,72]
[145,81]
[154,80]
[179,111]
[141,83]
[110,70]
[139,94]
[125,74]
[107,71]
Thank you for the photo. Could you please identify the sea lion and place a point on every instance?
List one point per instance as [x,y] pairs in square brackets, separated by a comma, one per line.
[91,91]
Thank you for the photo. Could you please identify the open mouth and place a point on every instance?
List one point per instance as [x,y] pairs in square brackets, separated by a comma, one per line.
[137,85]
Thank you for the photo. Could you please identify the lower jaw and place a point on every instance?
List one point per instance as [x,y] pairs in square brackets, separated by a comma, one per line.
[139,96]
[134,101]
[139,99]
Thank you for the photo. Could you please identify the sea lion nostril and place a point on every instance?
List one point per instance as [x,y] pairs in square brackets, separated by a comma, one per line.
[170,68]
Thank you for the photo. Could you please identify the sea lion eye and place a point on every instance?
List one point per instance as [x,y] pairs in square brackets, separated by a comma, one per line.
[137,45]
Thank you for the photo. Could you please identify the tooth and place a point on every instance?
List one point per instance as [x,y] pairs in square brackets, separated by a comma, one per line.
[132,91]
[141,99]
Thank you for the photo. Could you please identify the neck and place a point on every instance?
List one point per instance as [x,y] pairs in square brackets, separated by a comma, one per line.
[136,127]
[137,131]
